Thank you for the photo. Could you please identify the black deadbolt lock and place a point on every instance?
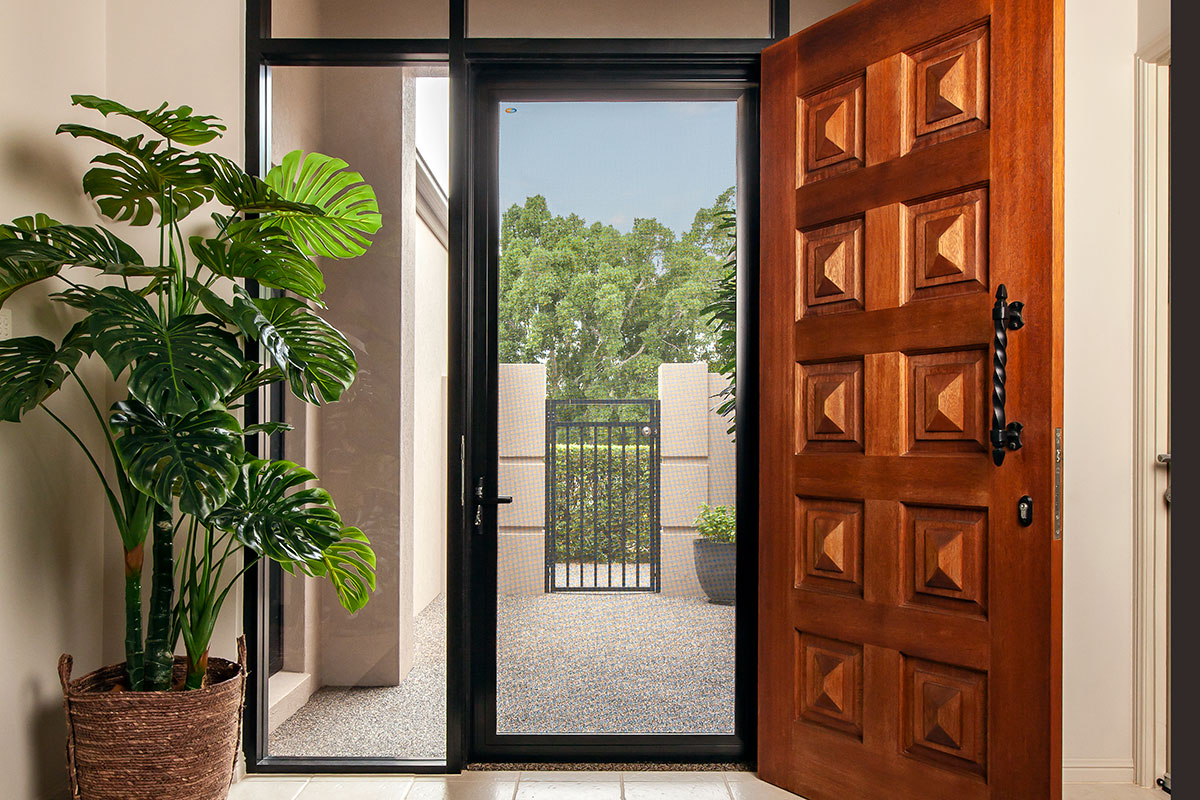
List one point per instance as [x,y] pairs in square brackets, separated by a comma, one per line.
[1025,511]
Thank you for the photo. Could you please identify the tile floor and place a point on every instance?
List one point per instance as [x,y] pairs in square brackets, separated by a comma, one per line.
[569,786]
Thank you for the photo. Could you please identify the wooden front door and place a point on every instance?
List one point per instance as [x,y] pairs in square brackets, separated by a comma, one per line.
[910,618]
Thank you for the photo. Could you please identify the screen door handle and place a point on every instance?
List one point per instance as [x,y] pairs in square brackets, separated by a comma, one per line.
[481,501]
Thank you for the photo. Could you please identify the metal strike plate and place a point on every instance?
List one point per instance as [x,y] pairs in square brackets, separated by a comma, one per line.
[1058,483]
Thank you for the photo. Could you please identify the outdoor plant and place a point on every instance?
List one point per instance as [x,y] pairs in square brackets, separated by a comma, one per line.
[717,523]
[171,328]
[722,315]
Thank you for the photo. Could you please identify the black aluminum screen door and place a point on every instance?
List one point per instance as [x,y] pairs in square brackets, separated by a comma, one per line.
[615,441]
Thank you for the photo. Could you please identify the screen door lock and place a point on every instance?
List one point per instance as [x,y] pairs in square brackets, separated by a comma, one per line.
[481,501]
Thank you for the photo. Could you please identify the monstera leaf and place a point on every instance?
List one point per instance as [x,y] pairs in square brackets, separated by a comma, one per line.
[131,182]
[266,255]
[176,124]
[350,566]
[254,377]
[32,369]
[346,210]
[35,248]
[38,245]
[314,357]
[246,193]
[271,512]
[192,456]
[187,364]
[17,274]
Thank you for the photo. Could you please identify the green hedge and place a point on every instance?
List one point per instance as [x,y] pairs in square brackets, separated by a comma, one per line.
[594,535]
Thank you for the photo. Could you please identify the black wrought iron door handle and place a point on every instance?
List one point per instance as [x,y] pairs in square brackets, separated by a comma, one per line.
[1006,317]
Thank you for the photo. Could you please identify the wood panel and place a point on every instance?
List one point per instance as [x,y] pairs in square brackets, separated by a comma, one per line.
[912,162]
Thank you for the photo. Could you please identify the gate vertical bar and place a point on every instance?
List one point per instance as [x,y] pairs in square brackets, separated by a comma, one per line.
[637,495]
[624,504]
[608,495]
[656,489]
[549,465]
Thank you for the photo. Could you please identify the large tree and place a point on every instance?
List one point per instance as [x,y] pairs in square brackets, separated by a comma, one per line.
[604,308]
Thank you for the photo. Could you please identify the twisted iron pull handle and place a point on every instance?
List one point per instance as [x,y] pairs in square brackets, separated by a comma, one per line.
[1006,316]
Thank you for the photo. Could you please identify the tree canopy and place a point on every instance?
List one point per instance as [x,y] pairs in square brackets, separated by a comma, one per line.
[601,308]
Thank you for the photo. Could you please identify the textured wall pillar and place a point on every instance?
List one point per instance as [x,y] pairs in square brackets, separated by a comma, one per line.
[365,456]
[522,475]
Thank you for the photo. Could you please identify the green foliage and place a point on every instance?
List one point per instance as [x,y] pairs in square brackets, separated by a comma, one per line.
[717,523]
[192,456]
[177,124]
[271,512]
[350,565]
[132,182]
[266,255]
[601,308]
[345,214]
[586,529]
[173,443]
[722,315]
[176,365]
[313,355]
[31,369]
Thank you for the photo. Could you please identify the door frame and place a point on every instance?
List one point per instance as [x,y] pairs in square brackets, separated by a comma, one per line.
[659,59]
[1151,431]
[515,78]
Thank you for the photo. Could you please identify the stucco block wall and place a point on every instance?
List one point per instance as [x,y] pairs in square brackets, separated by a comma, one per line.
[521,543]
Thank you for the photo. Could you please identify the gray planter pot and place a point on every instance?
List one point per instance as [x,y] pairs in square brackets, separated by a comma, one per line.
[716,569]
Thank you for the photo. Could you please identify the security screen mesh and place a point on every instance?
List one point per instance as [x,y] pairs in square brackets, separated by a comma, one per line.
[616,556]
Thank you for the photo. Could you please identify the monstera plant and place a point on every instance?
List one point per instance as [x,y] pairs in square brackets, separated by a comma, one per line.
[171,326]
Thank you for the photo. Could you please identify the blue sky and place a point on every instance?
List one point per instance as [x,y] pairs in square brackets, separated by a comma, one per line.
[612,162]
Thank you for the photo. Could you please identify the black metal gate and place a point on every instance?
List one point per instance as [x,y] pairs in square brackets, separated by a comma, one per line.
[602,495]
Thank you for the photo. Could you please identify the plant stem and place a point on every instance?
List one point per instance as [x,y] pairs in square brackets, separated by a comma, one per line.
[135,656]
[196,671]
[159,647]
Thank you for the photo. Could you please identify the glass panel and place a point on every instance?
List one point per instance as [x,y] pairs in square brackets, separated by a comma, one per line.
[615,615]
[371,685]
[726,19]
[360,19]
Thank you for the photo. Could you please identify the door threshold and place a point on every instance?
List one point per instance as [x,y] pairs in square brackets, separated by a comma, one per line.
[604,766]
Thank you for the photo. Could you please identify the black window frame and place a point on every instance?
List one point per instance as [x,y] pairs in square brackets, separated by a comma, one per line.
[671,68]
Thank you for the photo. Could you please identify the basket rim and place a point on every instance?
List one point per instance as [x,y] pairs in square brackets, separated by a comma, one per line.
[76,691]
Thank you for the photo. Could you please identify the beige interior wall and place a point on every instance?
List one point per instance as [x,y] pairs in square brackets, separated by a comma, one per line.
[1101,38]
[1154,26]
[51,506]
[60,573]
[806,12]
[296,104]
[620,18]
[398,19]
[363,435]
[429,467]
[185,54]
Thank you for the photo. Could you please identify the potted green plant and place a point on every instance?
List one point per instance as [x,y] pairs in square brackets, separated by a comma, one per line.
[715,552]
[171,329]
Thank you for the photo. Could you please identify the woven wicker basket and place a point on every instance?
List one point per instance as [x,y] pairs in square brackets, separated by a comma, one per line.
[153,745]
